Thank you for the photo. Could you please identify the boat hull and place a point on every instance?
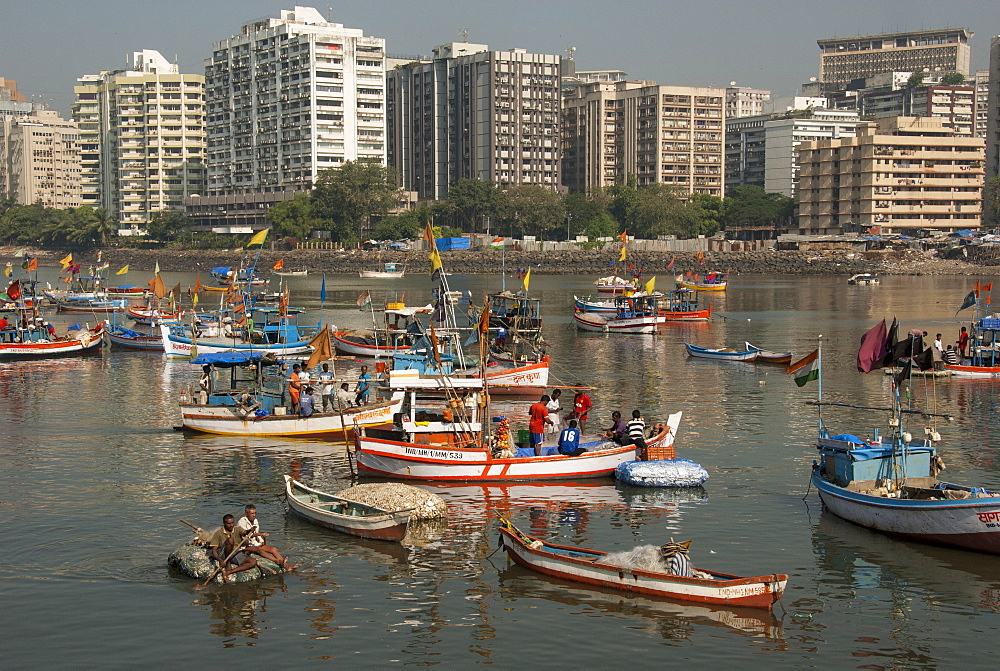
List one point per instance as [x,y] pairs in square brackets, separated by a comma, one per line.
[390,526]
[232,421]
[698,286]
[720,355]
[579,565]
[143,342]
[362,349]
[178,346]
[412,461]
[89,342]
[379,275]
[971,524]
[958,370]
[588,321]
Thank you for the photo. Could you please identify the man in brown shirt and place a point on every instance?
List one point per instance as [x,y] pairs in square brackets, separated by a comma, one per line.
[224,541]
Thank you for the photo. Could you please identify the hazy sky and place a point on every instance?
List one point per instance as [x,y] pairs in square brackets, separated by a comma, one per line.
[46,44]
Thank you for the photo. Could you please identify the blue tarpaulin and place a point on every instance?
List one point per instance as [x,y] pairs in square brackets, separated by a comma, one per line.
[228,358]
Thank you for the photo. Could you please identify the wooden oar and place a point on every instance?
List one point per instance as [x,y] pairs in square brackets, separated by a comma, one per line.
[224,563]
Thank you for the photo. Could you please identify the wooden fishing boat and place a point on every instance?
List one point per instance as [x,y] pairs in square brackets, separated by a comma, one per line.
[35,343]
[129,339]
[633,314]
[344,515]
[588,566]
[767,356]
[613,285]
[681,305]
[274,331]
[291,273]
[722,353]
[367,344]
[247,399]
[141,314]
[712,281]
[92,305]
[388,271]
[984,351]
[863,279]
[127,291]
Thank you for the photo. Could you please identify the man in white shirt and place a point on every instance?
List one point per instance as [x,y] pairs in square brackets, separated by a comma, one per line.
[325,379]
[249,525]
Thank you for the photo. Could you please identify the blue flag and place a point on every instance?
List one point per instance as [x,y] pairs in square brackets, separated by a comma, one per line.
[322,290]
[969,301]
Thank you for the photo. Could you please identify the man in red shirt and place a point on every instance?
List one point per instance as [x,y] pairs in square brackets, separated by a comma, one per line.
[538,417]
[581,405]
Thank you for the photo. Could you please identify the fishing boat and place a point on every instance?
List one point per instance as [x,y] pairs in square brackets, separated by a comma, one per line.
[889,482]
[515,313]
[633,314]
[34,341]
[767,356]
[681,305]
[141,314]
[613,285]
[227,275]
[399,329]
[246,398]
[722,353]
[344,515]
[194,560]
[521,378]
[388,271]
[91,305]
[291,273]
[984,351]
[863,279]
[127,291]
[711,281]
[121,336]
[274,331]
[593,568]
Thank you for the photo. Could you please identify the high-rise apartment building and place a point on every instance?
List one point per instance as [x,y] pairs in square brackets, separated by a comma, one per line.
[742,101]
[981,81]
[661,134]
[898,174]
[472,113]
[993,113]
[40,160]
[290,97]
[142,138]
[763,150]
[843,60]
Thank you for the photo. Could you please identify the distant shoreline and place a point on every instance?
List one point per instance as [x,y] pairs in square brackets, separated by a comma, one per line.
[489,262]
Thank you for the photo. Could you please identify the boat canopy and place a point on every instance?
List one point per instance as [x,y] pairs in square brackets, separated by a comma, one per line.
[410,311]
[228,358]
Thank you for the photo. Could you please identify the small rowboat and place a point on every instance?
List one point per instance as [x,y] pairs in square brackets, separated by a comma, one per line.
[766,356]
[291,273]
[586,566]
[344,515]
[723,353]
[387,272]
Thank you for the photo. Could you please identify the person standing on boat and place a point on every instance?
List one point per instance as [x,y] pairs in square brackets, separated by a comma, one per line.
[304,375]
[294,387]
[343,399]
[4,324]
[325,378]
[581,406]
[205,383]
[963,342]
[363,388]
[538,417]
[223,542]
[553,407]
[636,433]
[569,441]
[249,525]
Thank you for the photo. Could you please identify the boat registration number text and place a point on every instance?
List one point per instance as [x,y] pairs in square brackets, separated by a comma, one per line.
[433,454]
[990,519]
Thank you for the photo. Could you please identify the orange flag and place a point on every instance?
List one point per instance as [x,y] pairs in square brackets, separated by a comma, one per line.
[197,283]
[239,307]
[988,287]
[33,264]
[159,289]
[976,290]
[280,265]
[322,347]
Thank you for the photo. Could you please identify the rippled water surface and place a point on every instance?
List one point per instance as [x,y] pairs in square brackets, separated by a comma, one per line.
[95,479]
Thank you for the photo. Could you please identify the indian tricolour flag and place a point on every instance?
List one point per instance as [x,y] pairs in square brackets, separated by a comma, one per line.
[806,369]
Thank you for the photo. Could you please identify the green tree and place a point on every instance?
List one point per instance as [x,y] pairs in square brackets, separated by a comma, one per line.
[167,226]
[656,211]
[751,205]
[346,198]
[535,210]
[584,208]
[601,226]
[624,202]
[953,79]
[292,218]
[915,80]
[404,226]
[701,215]
[475,201]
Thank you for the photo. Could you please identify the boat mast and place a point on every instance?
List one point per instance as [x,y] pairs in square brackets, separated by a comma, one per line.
[819,393]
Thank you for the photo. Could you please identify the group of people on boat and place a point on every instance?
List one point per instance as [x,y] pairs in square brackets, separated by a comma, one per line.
[302,394]
[236,545]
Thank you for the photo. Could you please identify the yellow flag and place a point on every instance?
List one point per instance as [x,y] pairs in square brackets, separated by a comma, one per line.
[194,301]
[527,280]
[651,285]
[123,271]
[435,261]
[622,257]
[67,262]
[8,270]
[258,239]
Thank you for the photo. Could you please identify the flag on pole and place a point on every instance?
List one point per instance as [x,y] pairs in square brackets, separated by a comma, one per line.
[322,290]
[197,284]
[670,266]
[280,265]
[156,271]
[621,257]
[8,270]
[988,287]
[975,290]
[872,352]
[194,301]
[103,266]
[33,264]
[436,265]
[969,301]
[429,235]
[364,301]
[123,271]
[527,280]
[258,239]
[14,290]
[624,236]
[805,369]
[651,285]
[322,347]
[67,262]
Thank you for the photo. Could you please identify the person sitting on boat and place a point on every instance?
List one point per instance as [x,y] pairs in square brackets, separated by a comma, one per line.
[223,542]
[950,356]
[325,379]
[618,431]
[307,404]
[294,387]
[675,556]
[569,441]
[538,417]
[364,387]
[343,399]
[636,429]
[4,324]
[581,406]
[250,526]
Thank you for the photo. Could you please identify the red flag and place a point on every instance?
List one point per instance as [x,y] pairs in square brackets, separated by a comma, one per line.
[624,236]
[14,290]
[976,290]
[279,265]
[988,287]
[197,283]
[33,264]
[671,264]
[872,350]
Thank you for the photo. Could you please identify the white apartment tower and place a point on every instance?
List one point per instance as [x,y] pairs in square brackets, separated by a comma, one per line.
[142,138]
[290,97]
[40,160]
[472,113]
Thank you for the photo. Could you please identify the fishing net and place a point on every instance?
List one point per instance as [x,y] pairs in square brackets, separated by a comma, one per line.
[393,496]
[195,562]
[645,557]
[663,473]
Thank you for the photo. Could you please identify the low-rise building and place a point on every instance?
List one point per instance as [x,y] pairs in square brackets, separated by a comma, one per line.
[897,175]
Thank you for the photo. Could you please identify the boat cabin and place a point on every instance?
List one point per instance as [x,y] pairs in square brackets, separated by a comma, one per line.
[854,463]
[515,312]
[679,300]
[627,307]
[428,419]
[23,325]
[244,378]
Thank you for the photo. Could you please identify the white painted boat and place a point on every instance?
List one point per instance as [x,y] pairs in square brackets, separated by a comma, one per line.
[34,344]
[177,345]
[388,271]
[863,279]
[291,273]
[344,515]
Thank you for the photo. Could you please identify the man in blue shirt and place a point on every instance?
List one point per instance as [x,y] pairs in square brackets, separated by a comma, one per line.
[363,388]
[569,441]
[306,403]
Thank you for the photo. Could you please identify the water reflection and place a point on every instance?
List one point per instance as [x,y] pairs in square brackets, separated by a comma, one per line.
[238,611]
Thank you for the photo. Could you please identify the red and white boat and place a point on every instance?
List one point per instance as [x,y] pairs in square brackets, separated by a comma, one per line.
[364,344]
[592,568]
[127,291]
[613,285]
[142,314]
[633,314]
[34,344]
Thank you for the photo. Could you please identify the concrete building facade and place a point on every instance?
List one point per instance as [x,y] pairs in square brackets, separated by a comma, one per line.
[763,150]
[290,97]
[993,113]
[661,134]
[742,101]
[40,160]
[142,138]
[981,81]
[897,175]
[843,60]
[472,113]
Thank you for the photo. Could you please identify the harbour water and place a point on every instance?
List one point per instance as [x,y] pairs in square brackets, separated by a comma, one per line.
[95,479]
